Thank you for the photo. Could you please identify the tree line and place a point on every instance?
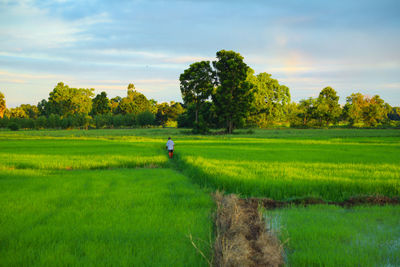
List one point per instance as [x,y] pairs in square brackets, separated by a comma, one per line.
[227,94]
[68,108]
[224,93]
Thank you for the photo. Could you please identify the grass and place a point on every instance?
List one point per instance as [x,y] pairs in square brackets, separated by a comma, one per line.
[335,236]
[75,201]
[112,197]
[282,168]
[77,153]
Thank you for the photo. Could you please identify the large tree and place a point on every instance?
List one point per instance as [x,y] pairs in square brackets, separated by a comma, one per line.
[168,112]
[16,112]
[101,104]
[369,111]
[233,95]
[30,110]
[271,100]
[2,105]
[306,110]
[66,101]
[327,106]
[197,83]
[134,102]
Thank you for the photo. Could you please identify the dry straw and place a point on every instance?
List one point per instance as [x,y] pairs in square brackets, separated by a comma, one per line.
[242,238]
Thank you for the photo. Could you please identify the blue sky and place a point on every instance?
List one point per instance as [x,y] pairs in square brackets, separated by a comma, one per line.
[352,46]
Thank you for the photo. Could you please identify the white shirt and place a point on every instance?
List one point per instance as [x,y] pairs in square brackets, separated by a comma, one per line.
[170,145]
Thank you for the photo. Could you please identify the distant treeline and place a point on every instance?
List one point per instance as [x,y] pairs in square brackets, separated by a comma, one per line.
[222,94]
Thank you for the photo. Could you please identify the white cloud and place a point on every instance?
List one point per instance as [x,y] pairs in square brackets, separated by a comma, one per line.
[25,77]
[160,57]
[25,26]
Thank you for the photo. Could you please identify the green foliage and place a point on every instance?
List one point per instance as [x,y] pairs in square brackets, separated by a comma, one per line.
[197,84]
[234,93]
[271,100]
[30,111]
[2,105]
[145,118]
[66,101]
[370,111]
[327,108]
[115,105]
[13,126]
[54,121]
[41,122]
[101,104]
[207,112]
[200,127]
[168,112]
[306,111]
[103,120]
[394,114]
[16,112]
[134,102]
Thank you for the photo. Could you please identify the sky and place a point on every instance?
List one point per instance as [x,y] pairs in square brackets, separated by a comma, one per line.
[350,45]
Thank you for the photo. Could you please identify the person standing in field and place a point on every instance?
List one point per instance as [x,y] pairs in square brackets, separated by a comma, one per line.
[170,147]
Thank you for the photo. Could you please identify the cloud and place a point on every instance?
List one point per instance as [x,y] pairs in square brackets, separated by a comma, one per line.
[25,76]
[25,26]
[153,56]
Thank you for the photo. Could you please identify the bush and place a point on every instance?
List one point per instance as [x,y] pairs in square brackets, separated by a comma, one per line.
[102,120]
[4,122]
[145,118]
[130,120]
[13,126]
[200,127]
[171,123]
[40,122]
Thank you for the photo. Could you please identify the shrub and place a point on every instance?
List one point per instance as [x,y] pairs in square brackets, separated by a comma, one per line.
[13,126]
[171,123]
[145,118]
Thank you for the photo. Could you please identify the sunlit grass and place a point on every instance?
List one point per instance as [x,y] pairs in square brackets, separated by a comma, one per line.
[88,201]
[284,180]
[335,236]
[124,217]
[285,168]
[80,154]
[103,198]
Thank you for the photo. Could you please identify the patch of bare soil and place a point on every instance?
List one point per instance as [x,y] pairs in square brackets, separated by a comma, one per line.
[242,238]
[371,200]
[353,201]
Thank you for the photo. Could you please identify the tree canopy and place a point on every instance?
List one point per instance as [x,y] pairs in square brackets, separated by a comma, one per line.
[327,106]
[2,105]
[197,83]
[233,95]
[101,104]
[134,102]
[367,110]
[66,101]
[270,100]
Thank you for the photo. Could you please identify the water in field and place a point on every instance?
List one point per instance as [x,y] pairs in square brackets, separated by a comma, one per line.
[336,236]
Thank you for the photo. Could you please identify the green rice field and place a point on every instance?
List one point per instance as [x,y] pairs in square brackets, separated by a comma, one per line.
[332,168]
[335,236]
[112,197]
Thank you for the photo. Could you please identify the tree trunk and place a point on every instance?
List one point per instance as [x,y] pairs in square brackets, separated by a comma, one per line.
[230,125]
